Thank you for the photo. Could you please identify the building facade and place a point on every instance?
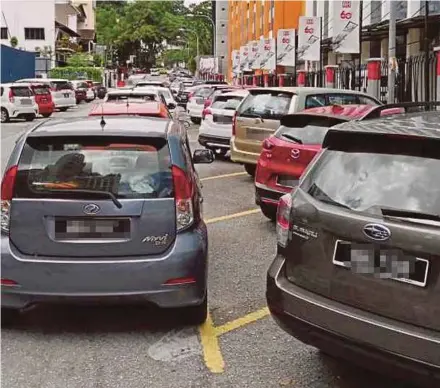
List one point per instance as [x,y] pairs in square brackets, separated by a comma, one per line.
[221,32]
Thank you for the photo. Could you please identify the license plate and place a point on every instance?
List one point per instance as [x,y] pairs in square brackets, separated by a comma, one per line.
[382,263]
[92,228]
[222,119]
[66,95]
[26,101]
[256,134]
[200,101]
[288,181]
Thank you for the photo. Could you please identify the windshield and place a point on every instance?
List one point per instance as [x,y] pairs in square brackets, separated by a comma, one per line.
[62,85]
[166,94]
[310,134]
[132,98]
[203,92]
[227,102]
[56,167]
[271,105]
[45,90]
[21,91]
[362,180]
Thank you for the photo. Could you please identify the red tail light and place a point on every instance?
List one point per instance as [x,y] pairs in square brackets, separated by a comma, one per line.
[207,103]
[234,124]
[206,112]
[9,283]
[8,184]
[177,281]
[267,144]
[190,95]
[183,193]
[11,96]
[283,219]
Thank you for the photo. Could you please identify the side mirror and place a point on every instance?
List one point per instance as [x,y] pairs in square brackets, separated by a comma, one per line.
[171,105]
[202,156]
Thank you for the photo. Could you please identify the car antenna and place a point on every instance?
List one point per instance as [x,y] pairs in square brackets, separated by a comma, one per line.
[102,123]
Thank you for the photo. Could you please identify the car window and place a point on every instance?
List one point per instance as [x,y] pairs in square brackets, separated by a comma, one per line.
[271,105]
[54,167]
[21,91]
[227,102]
[203,92]
[310,134]
[41,90]
[134,98]
[404,175]
[62,85]
[364,100]
[1,91]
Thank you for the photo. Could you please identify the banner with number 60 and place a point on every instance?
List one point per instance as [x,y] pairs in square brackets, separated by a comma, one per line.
[286,47]
[346,21]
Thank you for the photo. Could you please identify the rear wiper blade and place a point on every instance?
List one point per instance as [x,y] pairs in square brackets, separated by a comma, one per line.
[254,115]
[108,194]
[402,213]
[293,138]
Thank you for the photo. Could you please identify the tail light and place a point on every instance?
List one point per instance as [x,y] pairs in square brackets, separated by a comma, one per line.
[183,193]
[267,144]
[207,103]
[234,124]
[11,96]
[8,184]
[206,112]
[190,95]
[283,219]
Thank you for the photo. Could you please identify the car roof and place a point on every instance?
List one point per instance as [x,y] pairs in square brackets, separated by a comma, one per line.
[419,124]
[153,88]
[42,80]
[306,90]
[132,92]
[18,85]
[340,111]
[235,93]
[114,126]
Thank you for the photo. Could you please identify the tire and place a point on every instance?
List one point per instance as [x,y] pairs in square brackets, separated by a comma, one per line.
[46,115]
[30,117]
[63,109]
[4,115]
[194,315]
[220,152]
[196,120]
[250,169]
[269,211]
[9,316]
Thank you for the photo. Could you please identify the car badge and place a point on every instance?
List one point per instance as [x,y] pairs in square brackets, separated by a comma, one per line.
[295,153]
[91,209]
[377,232]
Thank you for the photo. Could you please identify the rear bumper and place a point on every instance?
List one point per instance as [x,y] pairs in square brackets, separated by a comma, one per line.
[267,195]
[194,110]
[45,109]
[214,141]
[240,156]
[117,281]
[23,111]
[65,103]
[371,341]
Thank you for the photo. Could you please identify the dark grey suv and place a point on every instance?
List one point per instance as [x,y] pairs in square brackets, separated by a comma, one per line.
[95,211]
[357,270]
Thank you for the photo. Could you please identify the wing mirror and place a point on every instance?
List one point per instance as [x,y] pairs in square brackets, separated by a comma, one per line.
[203,156]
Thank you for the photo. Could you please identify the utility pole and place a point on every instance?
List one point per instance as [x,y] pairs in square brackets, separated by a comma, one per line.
[392,53]
[426,49]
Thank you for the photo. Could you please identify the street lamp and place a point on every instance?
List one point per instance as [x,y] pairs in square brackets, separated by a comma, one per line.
[213,29]
[197,39]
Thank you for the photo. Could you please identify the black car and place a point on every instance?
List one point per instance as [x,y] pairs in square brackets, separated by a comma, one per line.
[99,89]
[357,269]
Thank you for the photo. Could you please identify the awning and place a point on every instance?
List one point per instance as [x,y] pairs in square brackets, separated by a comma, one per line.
[66,30]
[87,34]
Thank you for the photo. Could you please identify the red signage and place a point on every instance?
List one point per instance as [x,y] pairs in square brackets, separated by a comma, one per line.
[308,30]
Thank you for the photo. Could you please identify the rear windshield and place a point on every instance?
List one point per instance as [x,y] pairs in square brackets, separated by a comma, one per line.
[21,91]
[403,175]
[88,167]
[227,102]
[82,85]
[136,98]
[62,85]
[271,105]
[41,90]
[203,92]
[166,94]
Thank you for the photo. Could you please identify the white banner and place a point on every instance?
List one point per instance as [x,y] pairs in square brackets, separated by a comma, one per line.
[346,16]
[207,65]
[236,61]
[244,60]
[309,38]
[254,55]
[268,57]
[286,48]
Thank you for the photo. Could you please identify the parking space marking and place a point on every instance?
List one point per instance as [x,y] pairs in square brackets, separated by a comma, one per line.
[223,176]
[231,216]
[211,348]
[243,321]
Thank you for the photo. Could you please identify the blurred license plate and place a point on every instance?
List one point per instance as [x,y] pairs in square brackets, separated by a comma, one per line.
[288,181]
[92,228]
[256,134]
[66,95]
[26,101]
[381,263]
[200,101]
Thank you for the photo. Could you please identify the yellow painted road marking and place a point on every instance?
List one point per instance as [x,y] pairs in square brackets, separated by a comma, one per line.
[243,321]
[211,349]
[223,176]
[231,216]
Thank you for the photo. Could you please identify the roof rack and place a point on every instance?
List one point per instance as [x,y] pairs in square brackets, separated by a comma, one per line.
[405,108]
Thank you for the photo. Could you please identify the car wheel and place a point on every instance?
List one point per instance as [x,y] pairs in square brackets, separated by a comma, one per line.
[196,120]
[250,169]
[63,109]
[194,315]
[220,152]
[46,115]
[9,316]
[4,116]
[29,117]
[269,211]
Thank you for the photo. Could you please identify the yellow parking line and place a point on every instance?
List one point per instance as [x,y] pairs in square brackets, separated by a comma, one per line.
[211,349]
[231,216]
[223,176]
[237,323]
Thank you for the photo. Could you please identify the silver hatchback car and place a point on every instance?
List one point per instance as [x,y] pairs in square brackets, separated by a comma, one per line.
[96,211]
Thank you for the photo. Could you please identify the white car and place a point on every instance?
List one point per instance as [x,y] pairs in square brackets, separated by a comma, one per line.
[17,102]
[132,95]
[164,92]
[196,103]
[216,129]
[154,72]
[61,90]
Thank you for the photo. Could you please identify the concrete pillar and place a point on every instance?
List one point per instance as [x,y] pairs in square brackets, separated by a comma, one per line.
[384,48]
[332,58]
[254,80]
[413,39]
[330,75]
[301,78]
[281,80]
[437,55]
[365,52]
[374,75]
[266,80]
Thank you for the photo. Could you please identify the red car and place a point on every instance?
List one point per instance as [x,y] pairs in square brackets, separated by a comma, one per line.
[43,98]
[138,108]
[287,153]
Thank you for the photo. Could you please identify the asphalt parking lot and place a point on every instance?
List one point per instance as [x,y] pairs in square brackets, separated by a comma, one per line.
[136,347]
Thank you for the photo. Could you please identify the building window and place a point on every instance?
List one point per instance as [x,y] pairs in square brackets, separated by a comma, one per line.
[326,21]
[4,33]
[34,33]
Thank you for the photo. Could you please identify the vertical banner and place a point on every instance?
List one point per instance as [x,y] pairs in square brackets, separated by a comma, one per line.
[268,57]
[309,38]
[253,56]
[286,48]
[346,27]
[236,62]
[244,54]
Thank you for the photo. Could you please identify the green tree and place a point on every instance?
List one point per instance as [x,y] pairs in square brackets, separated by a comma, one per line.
[79,60]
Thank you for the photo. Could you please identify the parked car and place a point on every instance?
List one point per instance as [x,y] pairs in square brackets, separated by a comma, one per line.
[358,242]
[154,72]
[165,93]
[43,98]
[286,154]
[133,79]
[17,102]
[137,95]
[61,90]
[216,129]
[80,88]
[100,90]
[259,114]
[146,82]
[196,102]
[90,92]
[132,108]
[185,94]
[123,200]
